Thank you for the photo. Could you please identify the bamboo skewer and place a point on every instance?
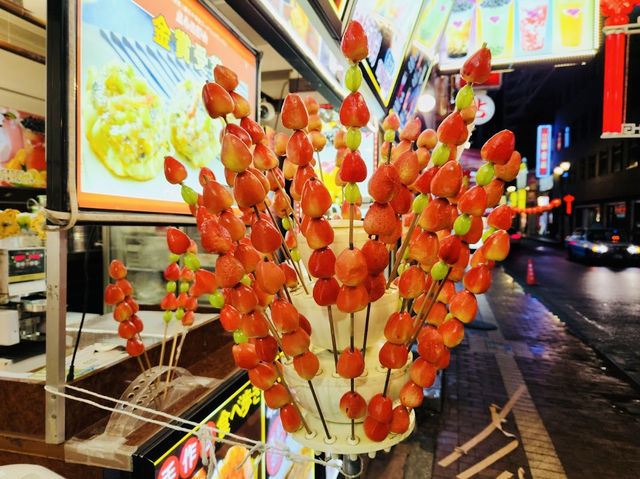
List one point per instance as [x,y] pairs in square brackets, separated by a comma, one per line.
[164,342]
[403,247]
[291,398]
[366,332]
[426,313]
[173,351]
[322,419]
[333,338]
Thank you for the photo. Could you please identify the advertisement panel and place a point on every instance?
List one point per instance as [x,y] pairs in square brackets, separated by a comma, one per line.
[22,149]
[416,69]
[543,151]
[389,25]
[520,30]
[183,460]
[141,65]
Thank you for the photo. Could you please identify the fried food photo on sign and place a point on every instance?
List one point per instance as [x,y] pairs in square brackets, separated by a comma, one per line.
[126,122]
[195,136]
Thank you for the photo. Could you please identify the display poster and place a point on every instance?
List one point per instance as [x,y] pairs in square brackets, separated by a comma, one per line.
[141,65]
[389,25]
[184,459]
[279,466]
[415,73]
[519,30]
[294,20]
[22,149]
[543,151]
[431,25]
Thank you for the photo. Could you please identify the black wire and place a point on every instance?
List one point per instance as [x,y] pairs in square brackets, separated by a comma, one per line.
[85,300]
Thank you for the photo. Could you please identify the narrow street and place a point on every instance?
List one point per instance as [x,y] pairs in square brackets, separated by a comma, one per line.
[599,304]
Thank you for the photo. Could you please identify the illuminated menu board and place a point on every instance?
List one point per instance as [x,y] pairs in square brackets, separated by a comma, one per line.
[431,25]
[415,73]
[389,26]
[519,30]
[141,65]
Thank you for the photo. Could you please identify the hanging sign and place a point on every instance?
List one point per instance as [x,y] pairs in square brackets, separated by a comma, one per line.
[543,151]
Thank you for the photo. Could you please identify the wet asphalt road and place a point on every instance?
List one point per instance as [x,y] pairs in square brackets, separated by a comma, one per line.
[599,304]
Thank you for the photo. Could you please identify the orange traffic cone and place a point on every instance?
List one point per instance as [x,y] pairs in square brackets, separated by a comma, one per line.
[531,277]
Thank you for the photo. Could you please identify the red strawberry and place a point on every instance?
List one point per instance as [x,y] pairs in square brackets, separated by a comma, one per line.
[299,149]
[177,241]
[225,77]
[391,122]
[478,66]
[254,130]
[474,201]
[217,100]
[354,111]
[294,114]
[353,169]
[411,130]
[174,171]
[453,129]
[499,147]
[354,42]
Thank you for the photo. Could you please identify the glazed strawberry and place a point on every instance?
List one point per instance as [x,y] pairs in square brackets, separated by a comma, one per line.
[447,180]
[500,218]
[354,42]
[453,129]
[177,240]
[174,171]
[391,122]
[235,155]
[217,100]
[354,111]
[353,169]
[254,130]
[263,158]
[384,183]
[477,68]
[316,199]
[294,113]
[499,147]
[225,77]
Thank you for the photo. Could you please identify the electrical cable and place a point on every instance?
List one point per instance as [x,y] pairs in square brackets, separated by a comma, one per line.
[85,302]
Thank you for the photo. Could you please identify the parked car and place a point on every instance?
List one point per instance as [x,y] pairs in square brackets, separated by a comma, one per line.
[601,244]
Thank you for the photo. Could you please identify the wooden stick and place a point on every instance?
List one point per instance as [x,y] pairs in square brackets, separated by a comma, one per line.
[144,352]
[386,383]
[179,351]
[142,368]
[482,435]
[281,188]
[351,215]
[487,461]
[173,351]
[164,342]
[320,167]
[403,247]
[285,249]
[366,332]
[426,313]
[315,399]
[291,398]
[333,338]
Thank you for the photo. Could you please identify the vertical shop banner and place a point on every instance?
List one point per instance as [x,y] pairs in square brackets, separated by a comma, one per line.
[141,65]
[415,73]
[543,151]
[22,149]
[519,30]
[389,25]
[183,460]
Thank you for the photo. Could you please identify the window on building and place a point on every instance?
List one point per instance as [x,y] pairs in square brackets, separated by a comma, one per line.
[603,163]
[633,154]
[591,166]
[616,157]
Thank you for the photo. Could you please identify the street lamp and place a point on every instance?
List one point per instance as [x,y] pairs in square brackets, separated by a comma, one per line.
[565,165]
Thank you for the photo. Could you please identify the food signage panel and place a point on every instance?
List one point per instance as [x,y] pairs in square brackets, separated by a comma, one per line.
[389,25]
[141,65]
[183,460]
[431,25]
[415,73]
[543,151]
[520,30]
[22,149]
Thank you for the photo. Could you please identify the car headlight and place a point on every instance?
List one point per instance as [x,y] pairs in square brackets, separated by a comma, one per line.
[633,249]
[599,248]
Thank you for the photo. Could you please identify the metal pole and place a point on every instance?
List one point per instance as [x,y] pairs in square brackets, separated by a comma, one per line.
[56,272]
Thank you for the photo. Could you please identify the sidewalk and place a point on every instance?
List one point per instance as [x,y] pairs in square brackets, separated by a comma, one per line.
[576,419]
